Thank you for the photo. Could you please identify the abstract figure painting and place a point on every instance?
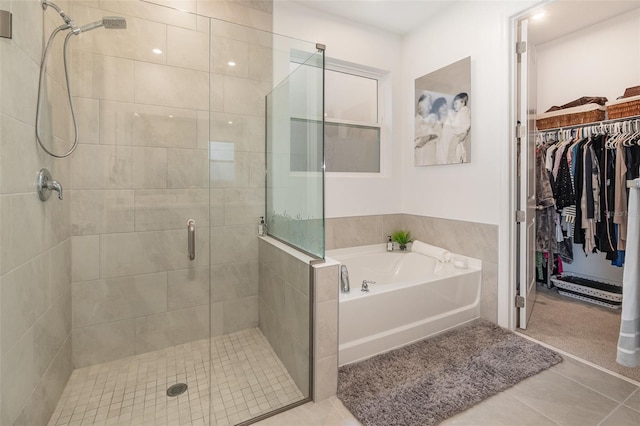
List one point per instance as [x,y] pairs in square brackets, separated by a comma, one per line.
[443,116]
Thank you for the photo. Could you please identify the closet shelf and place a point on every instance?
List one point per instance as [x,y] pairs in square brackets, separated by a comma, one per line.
[578,115]
[595,301]
[579,287]
[602,124]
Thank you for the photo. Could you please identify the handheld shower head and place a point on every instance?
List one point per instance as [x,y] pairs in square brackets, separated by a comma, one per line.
[108,22]
[114,23]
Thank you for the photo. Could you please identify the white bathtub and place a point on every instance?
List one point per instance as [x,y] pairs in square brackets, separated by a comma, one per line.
[414,297]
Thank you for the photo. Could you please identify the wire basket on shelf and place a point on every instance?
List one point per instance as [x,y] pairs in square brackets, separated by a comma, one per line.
[583,114]
[625,107]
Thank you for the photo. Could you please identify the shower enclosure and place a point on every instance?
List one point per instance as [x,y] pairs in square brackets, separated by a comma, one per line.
[102,291]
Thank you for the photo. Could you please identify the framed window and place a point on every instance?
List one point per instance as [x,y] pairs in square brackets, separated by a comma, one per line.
[353,123]
[352,120]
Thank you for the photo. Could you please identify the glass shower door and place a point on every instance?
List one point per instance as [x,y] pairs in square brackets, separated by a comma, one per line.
[259,302]
[140,301]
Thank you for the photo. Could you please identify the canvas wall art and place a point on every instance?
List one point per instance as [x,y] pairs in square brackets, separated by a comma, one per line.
[443,116]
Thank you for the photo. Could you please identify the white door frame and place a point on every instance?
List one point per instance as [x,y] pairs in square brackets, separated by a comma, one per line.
[507,312]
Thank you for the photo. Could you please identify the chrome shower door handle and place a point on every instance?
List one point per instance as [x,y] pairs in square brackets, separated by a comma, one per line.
[191,238]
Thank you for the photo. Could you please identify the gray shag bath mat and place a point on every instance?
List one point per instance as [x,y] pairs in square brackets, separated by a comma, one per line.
[433,379]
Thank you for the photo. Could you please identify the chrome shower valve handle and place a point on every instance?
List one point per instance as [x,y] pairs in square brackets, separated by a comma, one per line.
[45,185]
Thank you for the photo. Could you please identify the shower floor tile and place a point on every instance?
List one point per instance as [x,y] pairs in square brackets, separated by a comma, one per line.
[248,380]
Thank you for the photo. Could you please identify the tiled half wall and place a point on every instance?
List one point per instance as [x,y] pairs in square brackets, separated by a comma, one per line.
[285,297]
[284,303]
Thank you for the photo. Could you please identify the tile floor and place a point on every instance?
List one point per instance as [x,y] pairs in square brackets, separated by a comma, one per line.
[570,393]
[248,380]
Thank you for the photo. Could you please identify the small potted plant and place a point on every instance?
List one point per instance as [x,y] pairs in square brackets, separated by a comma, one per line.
[402,238]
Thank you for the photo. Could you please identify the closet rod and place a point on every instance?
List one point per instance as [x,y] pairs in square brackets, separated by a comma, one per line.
[633,183]
[592,124]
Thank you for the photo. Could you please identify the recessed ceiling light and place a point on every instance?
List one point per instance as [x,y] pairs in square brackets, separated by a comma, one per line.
[538,15]
[157,51]
[230,122]
[231,63]
[171,116]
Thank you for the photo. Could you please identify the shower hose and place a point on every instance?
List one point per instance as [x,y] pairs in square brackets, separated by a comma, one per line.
[43,67]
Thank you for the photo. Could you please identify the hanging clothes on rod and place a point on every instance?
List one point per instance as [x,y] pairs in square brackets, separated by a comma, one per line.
[587,167]
[548,232]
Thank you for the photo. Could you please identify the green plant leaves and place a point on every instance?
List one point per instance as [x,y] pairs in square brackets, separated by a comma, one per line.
[402,237]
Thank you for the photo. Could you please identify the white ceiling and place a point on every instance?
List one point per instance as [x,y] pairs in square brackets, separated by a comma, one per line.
[396,16]
[404,16]
[564,17]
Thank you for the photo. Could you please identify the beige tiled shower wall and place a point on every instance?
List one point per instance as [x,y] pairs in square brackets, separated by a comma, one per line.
[140,171]
[472,239]
[35,244]
[284,308]
[237,161]
[141,167]
[166,137]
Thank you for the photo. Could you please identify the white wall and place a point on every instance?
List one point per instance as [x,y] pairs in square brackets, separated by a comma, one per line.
[348,41]
[480,190]
[469,192]
[474,191]
[600,60]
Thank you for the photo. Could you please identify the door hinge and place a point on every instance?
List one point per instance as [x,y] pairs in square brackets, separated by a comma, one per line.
[519,302]
[521,47]
[520,131]
[520,216]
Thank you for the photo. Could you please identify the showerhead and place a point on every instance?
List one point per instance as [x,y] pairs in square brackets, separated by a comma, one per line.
[114,23]
[108,22]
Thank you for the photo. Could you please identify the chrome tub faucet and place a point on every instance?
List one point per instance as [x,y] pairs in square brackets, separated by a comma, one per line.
[344,279]
[365,285]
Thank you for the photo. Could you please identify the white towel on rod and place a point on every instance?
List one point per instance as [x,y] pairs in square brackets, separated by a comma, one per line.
[629,340]
[438,253]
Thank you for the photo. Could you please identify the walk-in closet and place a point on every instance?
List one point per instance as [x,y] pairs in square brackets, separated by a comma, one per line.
[587,144]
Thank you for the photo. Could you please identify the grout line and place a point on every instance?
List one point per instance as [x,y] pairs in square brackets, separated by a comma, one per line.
[527,405]
[609,415]
[587,387]
[637,391]
[577,358]
[194,407]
